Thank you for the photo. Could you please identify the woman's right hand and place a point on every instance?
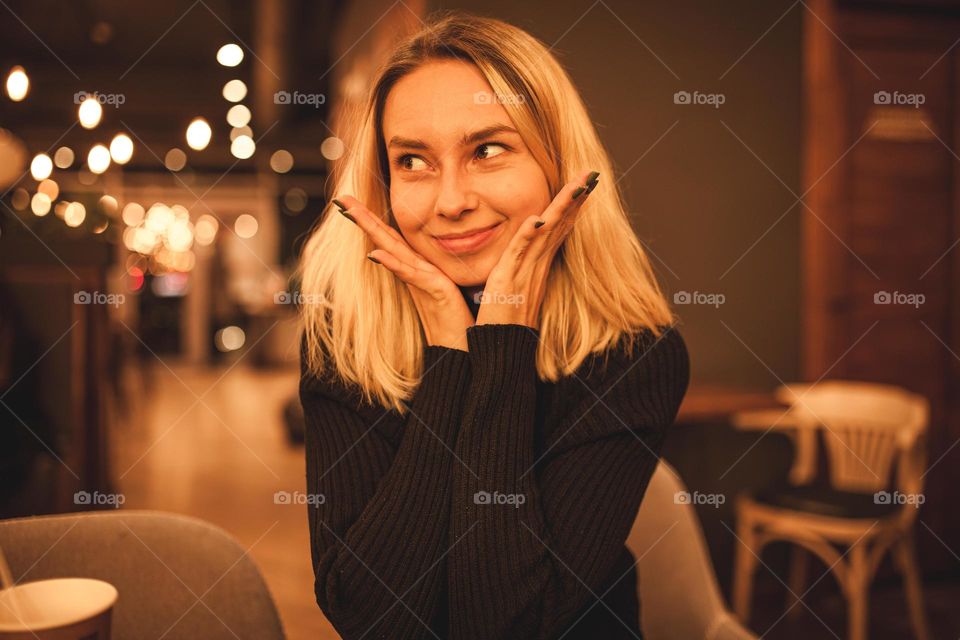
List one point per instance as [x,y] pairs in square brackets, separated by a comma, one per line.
[443,312]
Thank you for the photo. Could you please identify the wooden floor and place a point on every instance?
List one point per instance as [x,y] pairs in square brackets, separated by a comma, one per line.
[222,459]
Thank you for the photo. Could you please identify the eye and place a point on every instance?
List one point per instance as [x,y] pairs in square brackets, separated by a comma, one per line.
[411,163]
[490,150]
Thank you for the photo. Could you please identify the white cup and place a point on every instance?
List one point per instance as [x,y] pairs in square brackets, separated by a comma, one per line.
[58,609]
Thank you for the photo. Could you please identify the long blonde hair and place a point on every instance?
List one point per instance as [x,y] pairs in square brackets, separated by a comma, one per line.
[361,319]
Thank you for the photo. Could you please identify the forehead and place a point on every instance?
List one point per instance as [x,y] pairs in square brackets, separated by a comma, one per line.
[438,100]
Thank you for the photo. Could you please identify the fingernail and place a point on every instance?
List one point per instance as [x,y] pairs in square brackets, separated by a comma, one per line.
[342,206]
[539,223]
[592,177]
[593,185]
[372,259]
[576,194]
[348,217]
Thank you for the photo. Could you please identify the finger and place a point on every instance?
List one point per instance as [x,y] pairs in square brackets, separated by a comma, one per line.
[423,280]
[382,234]
[569,198]
[522,240]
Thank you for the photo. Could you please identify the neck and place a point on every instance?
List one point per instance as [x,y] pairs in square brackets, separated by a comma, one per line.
[472,296]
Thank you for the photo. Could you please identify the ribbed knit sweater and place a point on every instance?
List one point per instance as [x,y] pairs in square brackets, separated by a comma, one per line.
[499,505]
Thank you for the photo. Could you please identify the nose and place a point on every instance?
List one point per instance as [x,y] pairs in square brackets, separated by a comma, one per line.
[456,196]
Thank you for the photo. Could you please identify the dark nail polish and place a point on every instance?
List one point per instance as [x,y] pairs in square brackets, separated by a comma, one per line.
[592,177]
[593,185]
[372,259]
[342,206]
[576,194]
[349,217]
[539,223]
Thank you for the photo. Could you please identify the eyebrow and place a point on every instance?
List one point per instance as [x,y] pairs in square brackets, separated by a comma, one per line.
[467,139]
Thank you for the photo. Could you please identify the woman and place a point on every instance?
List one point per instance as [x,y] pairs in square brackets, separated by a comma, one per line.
[486,397]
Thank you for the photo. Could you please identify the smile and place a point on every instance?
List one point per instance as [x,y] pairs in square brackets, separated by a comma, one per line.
[469,243]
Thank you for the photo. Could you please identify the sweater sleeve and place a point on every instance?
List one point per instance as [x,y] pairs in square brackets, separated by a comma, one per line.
[379,522]
[540,536]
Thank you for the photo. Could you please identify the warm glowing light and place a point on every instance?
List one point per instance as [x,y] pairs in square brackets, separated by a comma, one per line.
[40,204]
[74,214]
[235,91]
[41,167]
[50,189]
[205,231]
[137,278]
[229,338]
[159,217]
[332,148]
[243,147]
[90,112]
[281,161]
[175,160]
[63,158]
[132,214]
[295,200]
[121,148]
[198,134]
[238,116]
[246,226]
[230,55]
[20,199]
[109,205]
[18,84]
[236,132]
[98,160]
[179,235]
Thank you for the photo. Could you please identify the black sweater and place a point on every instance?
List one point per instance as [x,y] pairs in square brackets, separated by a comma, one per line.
[498,507]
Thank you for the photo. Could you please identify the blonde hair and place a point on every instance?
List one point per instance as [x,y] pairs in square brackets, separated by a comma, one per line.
[361,319]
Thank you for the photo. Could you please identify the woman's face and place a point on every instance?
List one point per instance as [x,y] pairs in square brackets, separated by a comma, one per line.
[457,167]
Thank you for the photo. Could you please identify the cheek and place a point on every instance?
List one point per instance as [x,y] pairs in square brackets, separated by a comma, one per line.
[517,197]
[411,206]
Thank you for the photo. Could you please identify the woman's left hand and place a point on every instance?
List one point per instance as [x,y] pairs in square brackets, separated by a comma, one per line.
[514,289]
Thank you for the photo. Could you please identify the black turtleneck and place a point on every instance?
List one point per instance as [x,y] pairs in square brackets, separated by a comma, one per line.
[498,507]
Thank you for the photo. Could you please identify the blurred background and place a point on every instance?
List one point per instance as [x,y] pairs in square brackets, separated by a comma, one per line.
[791,167]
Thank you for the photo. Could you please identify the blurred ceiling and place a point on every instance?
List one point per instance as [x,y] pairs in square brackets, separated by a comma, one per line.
[156,63]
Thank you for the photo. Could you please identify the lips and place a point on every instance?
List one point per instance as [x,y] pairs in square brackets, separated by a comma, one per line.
[469,241]
[466,234]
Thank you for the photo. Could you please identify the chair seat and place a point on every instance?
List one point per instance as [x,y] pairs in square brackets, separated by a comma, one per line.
[825,501]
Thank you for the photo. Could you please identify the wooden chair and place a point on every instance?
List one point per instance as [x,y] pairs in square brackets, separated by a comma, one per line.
[870,432]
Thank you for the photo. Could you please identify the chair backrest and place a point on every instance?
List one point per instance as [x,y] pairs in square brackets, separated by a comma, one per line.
[866,428]
[678,590]
[178,577]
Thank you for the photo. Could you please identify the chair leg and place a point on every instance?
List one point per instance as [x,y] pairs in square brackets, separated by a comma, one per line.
[858,594]
[907,559]
[745,565]
[799,562]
